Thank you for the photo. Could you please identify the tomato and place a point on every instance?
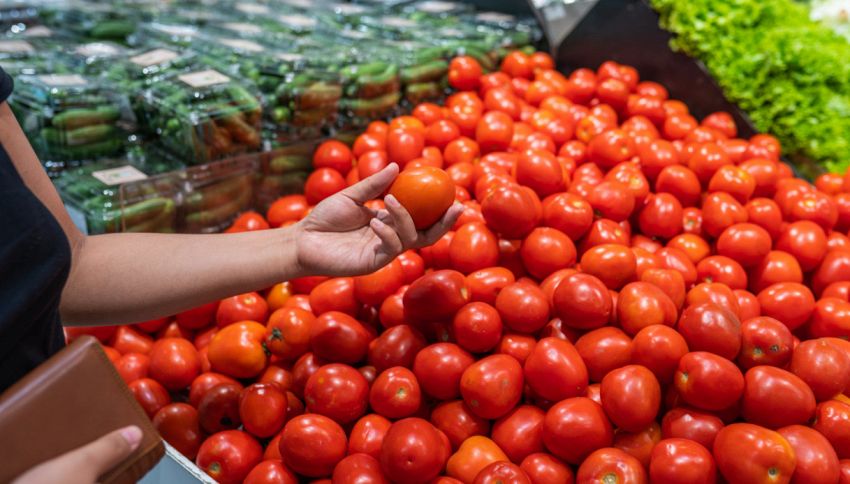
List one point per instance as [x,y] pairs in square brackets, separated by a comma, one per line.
[840,290]
[464,73]
[554,370]
[303,369]
[720,211]
[789,302]
[765,213]
[747,453]
[395,393]
[511,210]
[500,472]
[426,192]
[218,408]
[336,294]
[203,383]
[708,381]
[520,432]
[312,445]
[270,471]
[282,377]
[806,241]
[404,145]
[835,267]
[575,427]
[439,368]
[680,182]
[658,348]
[367,435]
[765,341]
[337,391]
[262,409]
[150,394]
[244,307]
[413,451]
[518,346]
[543,468]
[177,424]
[323,183]
[776,398]
[397,346]
[831,317]
[639,444]
[603,350]
[237,350]
[711,327]
[816,460]
[568,213]
[611,465]
[678,125]
[494,132]
[132,366]
[686,423]
[477,327]
[474,454]
[333,154]
[670,281]
[631,397]
[582,301]
[641,304]
[746,243]
[127,340]
[485,284]
[436,296]
[338,337]
[457,421]
[523,307]
[517,64]
[777,266]
[832,419]
[609,148]
[824,366]
[174,362]
[613,264]
[288,332]
[357,468]
[473,247]
[492,386]
[661,216]
[682,461]
[229,456]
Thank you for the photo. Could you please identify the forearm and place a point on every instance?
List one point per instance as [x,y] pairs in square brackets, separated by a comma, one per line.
[123,278]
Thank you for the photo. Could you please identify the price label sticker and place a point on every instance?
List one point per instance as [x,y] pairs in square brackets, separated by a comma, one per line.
[348,8]
[117,176]
[495,17]
[290,57]
[243,27]
[209,77]
[436,6]
[38,31]
[297,20]
[253,8]
[156,56]
[242,44]
[15,46]
[95,49]
[178,30]
[57,80]
[398,22]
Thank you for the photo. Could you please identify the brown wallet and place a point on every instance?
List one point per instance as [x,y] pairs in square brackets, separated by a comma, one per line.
[70,400]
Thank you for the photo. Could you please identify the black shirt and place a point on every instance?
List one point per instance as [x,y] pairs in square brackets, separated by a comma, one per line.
[35,258]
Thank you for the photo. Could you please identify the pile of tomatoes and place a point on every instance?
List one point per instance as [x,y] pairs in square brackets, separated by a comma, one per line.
[631,295]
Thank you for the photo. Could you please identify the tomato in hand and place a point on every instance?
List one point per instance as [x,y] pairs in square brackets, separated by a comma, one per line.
[747,453]
[177,424]
[312,445]
[425,192]
[413,451]
[575,427]
[262,409]
[682,461]
[229,456]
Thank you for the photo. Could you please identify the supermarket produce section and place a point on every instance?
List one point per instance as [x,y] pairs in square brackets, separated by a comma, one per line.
[632,293]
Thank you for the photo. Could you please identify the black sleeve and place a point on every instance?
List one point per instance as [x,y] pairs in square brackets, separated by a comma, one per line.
[6,85]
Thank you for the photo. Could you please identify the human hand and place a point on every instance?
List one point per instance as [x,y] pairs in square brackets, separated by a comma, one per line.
[342,237]
[85,464]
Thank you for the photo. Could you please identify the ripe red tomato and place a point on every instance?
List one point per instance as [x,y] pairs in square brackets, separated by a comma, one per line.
[708,381]
[511,210]
[244,307]
[229,456]
[177,424]
[575,427]
[237,350]
[439,368]
[336,294]
[333,154]
[426,192]
[543,468]
[641,304]
[682,461]
[492,386]
[473,247]
[568,213]
[203,383]
[719,211]
[765,341]
[359,468]
[405,144]
[789,302]
[832,419]
[523,307]
[659,348]
[132,366]
[218,408]
[670,281]
[554,370]
[680,182]
[397,346]
[436,296]
[413,451]
[499,472]
[611,463]
[174,362]
[464,73]
[769,457]
[338,337]
[270,471]
[831,317]
[713,328]
[776,398]
[312,445]
[323,183]
[374,288]
[631,397]
[395,393]
[816,460]
[806,241]
[337,391]
[823,365]
[457,421]
[520,432]
[582,301]
[477,327]
[288,333]
[603,350]
[367,435]
[494,132]
[687,423]
[262,409]
[613,264]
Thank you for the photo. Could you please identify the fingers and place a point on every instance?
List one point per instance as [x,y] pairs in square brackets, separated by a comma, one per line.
[373,186]
[389,238]
[402,222]
[442,226]
[104,453]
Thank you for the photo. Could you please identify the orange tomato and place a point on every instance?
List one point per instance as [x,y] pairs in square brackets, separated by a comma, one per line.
[426,192]
[237,350]
[474,454]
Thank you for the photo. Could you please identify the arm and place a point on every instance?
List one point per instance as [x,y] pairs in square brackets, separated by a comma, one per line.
[122,278]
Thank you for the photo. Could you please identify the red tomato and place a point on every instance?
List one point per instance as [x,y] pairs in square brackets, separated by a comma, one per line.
[494,132]
[439,368]
[336,294]
[132,366]
[582,301]
[576,427]
[520,432]
[603,350]
[262,409]
[492,386]
[831,317]
[631,397]
[639,444]
[682,461]
[237,350]
[720,211]
[765,213]
[670,281]
[484,285]
[523,307]
[659,348]
[270,471]
[708,381]
[769,457]
[128,340]
[499,472]
[229,456]
[554,370]
[218,408]
[174,362]
[721,269]
[367,435]
[323,183]
[426,192]
[823,365]
[641,304]
[543,468]
[436,296]
[205,382]
[789,302]
[413,451]
[397,346]
[613,264]
[333,154]
[776,266]
[338,337]
[337,391]
[806,241]
[244,307]
[816,460]
[832,419]
[686,423]
[312,445]
[776,398]
[177,424]
[568,213]
[518,346]
[473,247]
[612,200]
[765,341]
[457,421]
[395,393]
[288,333]
[610,463]
[511,210]
[358,468]
[746,243]
[711,327]
[464,73]
[477,327]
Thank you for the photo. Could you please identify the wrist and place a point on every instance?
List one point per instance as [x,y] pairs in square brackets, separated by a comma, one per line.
[290,263]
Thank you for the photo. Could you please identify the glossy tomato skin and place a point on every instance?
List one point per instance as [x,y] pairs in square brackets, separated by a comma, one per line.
[219,408]
[500,472]
[243,307]
[765,341]
[262,409]
[492,386]
[824,366]
[520,432]
[457,421]
[613,264]
[270,471]
[439,368]
[413,451]
[312,445]
[177,424]
[682,461]
[473,455]
[747,453]
[395,393]
[511,210]
[641,304]
[832,419]
[776,398]
[237,350]
[229,456]
[523,307]
[582,301]
[396,346]
[367,435]
[484,285]
[547,250]
[639,444]
[544,468]
[610,463]
[426,192]
[477,327]
[374,288]
[603,350]
[288,332]
[691,424]
[708,381]
[712,328]
[338,337]
[575,427]
[554,370]
[830,318]
[789,302]
[436,296]
[337,391]
[150,394]
[816,460]
[631,397]
[335,294]
[357,468]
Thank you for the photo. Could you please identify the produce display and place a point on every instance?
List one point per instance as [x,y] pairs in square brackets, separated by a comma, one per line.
[789,73]
[630,295]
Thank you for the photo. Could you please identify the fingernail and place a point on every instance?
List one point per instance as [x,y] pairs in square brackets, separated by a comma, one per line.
[133,435]
[391,200]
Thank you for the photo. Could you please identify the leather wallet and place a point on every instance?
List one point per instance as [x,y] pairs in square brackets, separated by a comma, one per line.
[70,400]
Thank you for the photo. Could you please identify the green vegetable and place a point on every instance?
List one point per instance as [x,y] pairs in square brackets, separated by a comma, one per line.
[288,163]
[425,72]
[77,118]
[220,214]
[80,136]
[792,75]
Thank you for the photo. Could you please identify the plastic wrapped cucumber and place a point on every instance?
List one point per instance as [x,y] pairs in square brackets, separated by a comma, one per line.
[94,20]
[203,115]
[217,193]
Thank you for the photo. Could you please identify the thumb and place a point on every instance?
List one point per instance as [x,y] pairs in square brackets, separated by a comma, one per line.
[373,186]
[104,453]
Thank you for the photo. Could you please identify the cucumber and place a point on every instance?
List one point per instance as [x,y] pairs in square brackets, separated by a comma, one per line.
[216,195]
[77,118]
[79,136]
[425,72]
[220,214]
